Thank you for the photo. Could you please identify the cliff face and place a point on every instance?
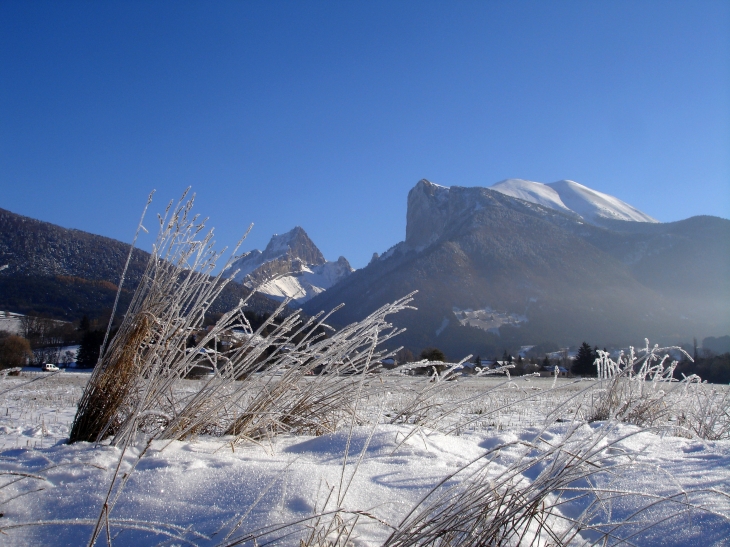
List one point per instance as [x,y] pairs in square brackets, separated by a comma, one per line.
[494,271]
[427,214]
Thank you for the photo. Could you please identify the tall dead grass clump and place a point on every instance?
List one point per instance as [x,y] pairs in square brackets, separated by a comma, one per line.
[706,411]
[285,376]
[253,398]
[170,301]
[638,388]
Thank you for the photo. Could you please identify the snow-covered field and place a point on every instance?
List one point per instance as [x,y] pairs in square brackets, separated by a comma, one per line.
[654,488]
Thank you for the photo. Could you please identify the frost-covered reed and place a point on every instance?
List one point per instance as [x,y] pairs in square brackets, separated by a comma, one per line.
[264,385]
[640,388]
[148,350]
[547,494]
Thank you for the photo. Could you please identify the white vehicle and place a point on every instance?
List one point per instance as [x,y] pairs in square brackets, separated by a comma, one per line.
[50,367]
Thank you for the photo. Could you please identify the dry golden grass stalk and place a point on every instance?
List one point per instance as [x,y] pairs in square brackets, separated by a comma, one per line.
[485,503]
[286,376]
[171,300]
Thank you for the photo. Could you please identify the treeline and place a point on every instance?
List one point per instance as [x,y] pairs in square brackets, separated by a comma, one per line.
[705,363]
[45,340]
[715,369]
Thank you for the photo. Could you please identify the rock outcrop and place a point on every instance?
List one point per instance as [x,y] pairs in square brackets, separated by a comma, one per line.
[290,266]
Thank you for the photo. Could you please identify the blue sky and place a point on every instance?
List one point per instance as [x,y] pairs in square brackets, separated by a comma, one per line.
[325,114]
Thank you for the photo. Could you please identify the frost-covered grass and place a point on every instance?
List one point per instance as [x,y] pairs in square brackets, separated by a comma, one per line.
[556,479]
[37,408]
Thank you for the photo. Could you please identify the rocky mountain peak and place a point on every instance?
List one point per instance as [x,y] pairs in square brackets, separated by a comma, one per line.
[434,209]
[290,266]
[296,244]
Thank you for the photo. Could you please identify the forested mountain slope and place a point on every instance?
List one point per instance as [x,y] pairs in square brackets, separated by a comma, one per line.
[66,273]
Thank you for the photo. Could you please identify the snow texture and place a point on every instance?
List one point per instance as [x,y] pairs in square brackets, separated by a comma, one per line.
[197,492]
[572,197]
[534,192]
[488,319]
[305,284]
[591,204]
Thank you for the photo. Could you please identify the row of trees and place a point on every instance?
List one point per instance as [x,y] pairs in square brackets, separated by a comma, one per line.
[712,367]
[708,366]
[582,365]
[47,337]
[43,340]
[38,340]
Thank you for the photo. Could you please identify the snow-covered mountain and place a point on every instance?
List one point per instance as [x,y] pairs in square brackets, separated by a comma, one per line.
[523,262]
[568,196]
[290,266]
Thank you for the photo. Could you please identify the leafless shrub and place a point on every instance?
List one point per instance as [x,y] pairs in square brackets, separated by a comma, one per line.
[636,387]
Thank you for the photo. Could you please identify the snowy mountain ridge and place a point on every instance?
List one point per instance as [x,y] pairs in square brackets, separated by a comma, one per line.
[568,196]
[552,262]
[433,208]
[291,266]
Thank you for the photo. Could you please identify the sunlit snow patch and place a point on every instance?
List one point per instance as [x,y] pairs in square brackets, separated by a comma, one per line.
[488,319]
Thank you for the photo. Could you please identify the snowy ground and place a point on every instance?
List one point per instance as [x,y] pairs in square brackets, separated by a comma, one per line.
[210,492]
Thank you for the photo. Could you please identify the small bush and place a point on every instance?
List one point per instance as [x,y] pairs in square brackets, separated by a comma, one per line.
[14,351]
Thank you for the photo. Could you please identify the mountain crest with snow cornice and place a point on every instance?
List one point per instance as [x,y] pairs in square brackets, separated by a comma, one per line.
[569,197]
[291,265]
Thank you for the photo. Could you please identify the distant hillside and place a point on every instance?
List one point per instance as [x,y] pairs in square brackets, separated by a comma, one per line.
[67,273]
[493,270]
